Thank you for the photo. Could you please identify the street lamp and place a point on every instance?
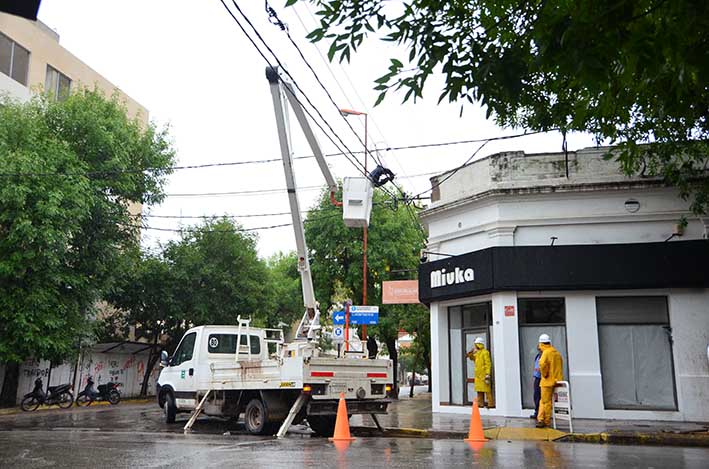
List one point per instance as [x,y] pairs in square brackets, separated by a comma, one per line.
[346,113]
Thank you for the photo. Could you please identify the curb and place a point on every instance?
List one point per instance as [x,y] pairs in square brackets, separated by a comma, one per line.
[640,438]
[17,410]
[547,434]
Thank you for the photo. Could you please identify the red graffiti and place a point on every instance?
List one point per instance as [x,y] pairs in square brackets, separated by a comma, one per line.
[99,367]
[129,363]
[141,368]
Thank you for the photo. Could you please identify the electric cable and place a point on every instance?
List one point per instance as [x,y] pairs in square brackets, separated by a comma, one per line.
[262,161]
[295,83]
[317,78]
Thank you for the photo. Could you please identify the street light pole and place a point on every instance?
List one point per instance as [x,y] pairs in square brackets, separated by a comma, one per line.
[350,112]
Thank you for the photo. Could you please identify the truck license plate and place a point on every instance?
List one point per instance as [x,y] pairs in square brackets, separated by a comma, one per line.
[338,387]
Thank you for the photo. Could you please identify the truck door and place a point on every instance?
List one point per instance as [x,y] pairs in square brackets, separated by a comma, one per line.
[182,368]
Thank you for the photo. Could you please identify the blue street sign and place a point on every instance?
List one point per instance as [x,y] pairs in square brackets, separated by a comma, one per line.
[357,318]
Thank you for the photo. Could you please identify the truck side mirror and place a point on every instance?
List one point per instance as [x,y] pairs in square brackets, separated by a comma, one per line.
[163,358]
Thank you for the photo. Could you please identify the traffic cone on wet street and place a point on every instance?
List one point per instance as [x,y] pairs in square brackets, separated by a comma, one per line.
[475,434]
[342,424]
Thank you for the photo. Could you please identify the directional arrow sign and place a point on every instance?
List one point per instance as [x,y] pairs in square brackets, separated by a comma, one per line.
[338,317]
[357,318]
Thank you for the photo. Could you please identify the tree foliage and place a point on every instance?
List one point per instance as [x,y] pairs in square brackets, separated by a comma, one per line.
[211,275]
[70,170]
[632,73]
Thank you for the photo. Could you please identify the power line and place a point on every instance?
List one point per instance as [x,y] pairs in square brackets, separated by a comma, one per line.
[317,78]
[236,193]
[295,83]
[454,170]
[262,161]
[250,215]
[198,230]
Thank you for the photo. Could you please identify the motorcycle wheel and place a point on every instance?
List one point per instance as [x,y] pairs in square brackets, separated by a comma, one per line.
[83,400]
[114,397]
[29,403]
[65,400]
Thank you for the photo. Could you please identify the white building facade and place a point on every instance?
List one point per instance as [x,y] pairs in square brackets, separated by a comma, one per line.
[565,244]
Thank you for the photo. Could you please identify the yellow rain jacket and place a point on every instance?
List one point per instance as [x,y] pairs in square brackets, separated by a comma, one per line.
[551,366]
[483,368]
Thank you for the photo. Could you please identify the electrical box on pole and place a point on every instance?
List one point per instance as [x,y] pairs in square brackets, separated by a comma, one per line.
[356,201]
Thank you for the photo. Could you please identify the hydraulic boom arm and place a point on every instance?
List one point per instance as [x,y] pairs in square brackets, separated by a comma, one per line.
[280,92]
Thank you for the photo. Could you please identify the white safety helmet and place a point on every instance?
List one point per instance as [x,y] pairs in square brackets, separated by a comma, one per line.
[480,340]
[545,339]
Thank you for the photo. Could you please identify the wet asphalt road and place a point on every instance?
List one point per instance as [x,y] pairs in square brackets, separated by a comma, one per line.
[134,436]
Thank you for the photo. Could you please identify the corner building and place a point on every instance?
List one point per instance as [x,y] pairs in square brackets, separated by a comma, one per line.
[565,244]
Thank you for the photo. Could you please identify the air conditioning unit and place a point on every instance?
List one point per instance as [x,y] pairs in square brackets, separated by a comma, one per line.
[356,201]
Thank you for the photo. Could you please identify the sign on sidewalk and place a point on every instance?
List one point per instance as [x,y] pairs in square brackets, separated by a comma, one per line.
[561,404]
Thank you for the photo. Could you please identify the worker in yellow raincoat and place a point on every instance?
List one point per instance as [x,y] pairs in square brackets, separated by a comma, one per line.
[483,367]
[551,366]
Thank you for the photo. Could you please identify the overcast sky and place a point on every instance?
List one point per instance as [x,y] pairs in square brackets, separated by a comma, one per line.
[191,66]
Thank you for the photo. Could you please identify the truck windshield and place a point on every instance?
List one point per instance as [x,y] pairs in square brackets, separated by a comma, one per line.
[226,343]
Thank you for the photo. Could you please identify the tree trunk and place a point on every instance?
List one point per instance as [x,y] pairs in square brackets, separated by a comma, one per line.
[8,394]
[393,354]
[153,357]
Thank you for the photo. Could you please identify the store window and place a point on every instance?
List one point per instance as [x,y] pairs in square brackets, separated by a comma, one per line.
[539,316]
[635,344]
[14,60]
[57,83]
[467,322]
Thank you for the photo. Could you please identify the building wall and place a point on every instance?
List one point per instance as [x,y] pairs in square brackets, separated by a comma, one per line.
[44,47]
[127,369]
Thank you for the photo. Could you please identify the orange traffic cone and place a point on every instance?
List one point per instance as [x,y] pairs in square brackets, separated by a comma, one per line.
[342,424]
[476,426]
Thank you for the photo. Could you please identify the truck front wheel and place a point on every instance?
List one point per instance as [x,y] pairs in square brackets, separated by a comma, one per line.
[322,425]
[256,418]
[170,408]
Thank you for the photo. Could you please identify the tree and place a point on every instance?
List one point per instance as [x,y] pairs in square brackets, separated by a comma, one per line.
[70,170]
[211,275]
[286,290]
[145,299]
[395,239]
[634,74]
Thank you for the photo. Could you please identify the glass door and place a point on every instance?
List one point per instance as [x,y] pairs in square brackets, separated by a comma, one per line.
[469,372]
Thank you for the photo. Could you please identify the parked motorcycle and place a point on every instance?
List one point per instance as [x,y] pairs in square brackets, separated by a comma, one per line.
[106,392]
[56,395]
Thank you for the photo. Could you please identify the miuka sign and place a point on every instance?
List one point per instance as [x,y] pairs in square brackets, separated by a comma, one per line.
[441,278]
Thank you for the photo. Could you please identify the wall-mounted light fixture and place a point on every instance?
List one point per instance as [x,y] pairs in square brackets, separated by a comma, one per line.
[632,205]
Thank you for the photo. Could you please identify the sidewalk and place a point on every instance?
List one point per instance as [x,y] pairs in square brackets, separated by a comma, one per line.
[413,417]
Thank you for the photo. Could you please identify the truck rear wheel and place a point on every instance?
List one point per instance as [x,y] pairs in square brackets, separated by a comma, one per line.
[256,418]
[322,425]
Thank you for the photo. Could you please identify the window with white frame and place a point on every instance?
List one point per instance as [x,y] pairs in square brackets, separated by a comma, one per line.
[57,83]
[14,60]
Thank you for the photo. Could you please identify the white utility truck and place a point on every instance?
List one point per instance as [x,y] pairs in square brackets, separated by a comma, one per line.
[229,370]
